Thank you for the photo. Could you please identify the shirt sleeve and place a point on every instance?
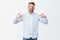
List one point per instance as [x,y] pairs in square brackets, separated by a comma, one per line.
[43,20]
[17,20]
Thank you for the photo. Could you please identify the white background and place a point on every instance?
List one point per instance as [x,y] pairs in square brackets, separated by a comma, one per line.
[10,8]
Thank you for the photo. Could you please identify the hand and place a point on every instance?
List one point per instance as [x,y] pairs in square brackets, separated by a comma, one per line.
[19,15]
[42,15]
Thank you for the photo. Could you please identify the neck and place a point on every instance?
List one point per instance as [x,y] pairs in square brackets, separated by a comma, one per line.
[30,12]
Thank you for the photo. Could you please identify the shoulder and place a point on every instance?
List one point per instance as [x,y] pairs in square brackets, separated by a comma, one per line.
[36,14]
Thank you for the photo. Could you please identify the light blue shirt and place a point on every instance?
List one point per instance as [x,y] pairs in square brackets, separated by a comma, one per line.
[30,24]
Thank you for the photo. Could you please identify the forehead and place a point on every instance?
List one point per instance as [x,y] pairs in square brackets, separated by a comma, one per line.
[30,5]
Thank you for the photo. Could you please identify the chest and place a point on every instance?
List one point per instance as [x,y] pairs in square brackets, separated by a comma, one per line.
[30,18]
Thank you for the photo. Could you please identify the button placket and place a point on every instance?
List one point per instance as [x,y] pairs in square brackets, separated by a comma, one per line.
[31,26]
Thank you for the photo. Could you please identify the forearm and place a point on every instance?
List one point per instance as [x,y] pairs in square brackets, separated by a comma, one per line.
[44,20]
[16,20]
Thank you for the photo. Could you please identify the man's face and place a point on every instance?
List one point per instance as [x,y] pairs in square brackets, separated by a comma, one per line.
[31,7]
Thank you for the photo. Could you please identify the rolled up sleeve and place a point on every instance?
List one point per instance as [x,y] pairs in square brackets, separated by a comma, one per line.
[17,20]
[43,20]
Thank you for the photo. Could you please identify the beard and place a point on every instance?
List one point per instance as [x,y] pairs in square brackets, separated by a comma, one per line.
[31,10]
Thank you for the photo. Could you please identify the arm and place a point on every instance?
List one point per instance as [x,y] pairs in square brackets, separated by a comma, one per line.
[43,19]
[18,19]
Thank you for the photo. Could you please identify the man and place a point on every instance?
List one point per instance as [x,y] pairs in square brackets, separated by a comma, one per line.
[30,22]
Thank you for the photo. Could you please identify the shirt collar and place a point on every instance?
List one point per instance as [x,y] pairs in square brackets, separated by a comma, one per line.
[31,13]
